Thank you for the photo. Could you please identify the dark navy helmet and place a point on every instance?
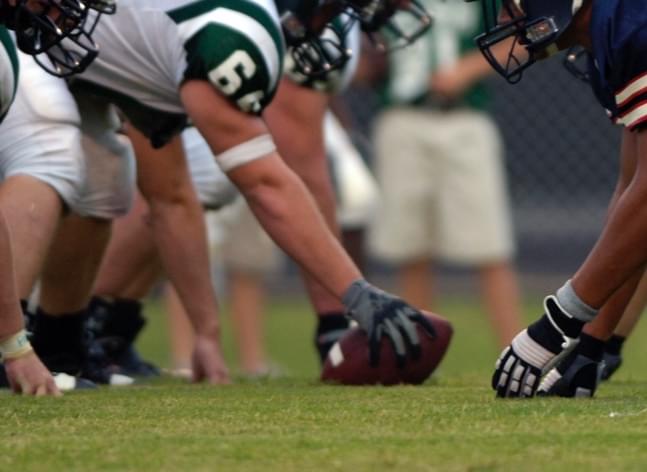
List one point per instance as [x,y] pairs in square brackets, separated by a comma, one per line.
[525,30]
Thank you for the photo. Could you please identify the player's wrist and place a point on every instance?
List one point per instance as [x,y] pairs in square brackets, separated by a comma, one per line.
[209,329]
[556,330]
[359,302]
[15,346]
[354,292]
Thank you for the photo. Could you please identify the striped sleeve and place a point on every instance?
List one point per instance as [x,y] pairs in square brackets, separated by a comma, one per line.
[631,101]
[236,45]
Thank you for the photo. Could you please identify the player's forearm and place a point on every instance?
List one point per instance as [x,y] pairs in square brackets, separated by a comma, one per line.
[180,236]
[11,320]
[288,213]
[620,251]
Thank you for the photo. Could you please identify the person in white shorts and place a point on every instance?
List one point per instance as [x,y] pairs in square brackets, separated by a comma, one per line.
[439,165]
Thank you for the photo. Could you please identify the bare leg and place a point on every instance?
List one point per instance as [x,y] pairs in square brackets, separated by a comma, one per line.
[33,210]
[66,287]
[500,291]
[416,280]
[72,264]
[182,338]
[247,300]
[131,265]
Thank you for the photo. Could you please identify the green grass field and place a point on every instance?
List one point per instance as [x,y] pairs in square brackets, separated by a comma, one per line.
[452,423]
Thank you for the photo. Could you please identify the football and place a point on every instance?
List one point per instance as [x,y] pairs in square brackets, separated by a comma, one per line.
[348,360]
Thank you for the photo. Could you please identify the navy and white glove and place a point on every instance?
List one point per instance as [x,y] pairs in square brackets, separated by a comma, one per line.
[574,376]
[534,351]
[579,373]
[379,314]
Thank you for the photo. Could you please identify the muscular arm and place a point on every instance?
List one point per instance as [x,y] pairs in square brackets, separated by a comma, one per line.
[10,316]
[275,194]
[26,373]
[180,237]
[620,252]
[295,119]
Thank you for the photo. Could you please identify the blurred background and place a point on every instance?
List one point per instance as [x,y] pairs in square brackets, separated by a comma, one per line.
[561,161]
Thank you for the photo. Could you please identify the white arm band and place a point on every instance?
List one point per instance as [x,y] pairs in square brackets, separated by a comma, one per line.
[15,346]
[248,151]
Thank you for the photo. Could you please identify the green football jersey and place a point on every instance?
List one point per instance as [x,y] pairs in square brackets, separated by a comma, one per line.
[456,23]
[150,47]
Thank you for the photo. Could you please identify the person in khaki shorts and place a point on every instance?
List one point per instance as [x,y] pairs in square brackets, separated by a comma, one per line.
[439,164]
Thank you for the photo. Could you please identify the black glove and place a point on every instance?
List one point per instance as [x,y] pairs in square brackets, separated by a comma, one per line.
[381,314]
[574,376]
[534,351]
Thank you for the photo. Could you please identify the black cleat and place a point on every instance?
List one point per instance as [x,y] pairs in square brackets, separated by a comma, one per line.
[114,327]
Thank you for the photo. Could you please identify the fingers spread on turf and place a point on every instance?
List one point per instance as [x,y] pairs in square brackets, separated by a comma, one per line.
[529,384]
[508,365]
[497,368]
[52,389]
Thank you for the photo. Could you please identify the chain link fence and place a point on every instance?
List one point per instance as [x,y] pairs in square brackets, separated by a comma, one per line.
[561,158]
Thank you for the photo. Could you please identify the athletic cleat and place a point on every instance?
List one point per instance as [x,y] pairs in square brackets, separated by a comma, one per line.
[114,326]
[67,383]
[98,368]
[580,378]
[130,363]
[610,363]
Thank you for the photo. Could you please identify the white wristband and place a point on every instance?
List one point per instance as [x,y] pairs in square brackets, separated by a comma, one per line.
[15,346]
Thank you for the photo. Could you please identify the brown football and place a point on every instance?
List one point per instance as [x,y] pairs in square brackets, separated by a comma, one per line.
[348,360]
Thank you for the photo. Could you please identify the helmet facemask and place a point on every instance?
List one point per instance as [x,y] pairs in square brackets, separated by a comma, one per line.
[316,54]
[41,25]
[59,33]
[391,24]
[526,37]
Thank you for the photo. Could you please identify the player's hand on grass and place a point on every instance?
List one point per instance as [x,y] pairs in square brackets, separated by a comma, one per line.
[381,314]
[208,364]
[28,376]
[519,368]
[576,375]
